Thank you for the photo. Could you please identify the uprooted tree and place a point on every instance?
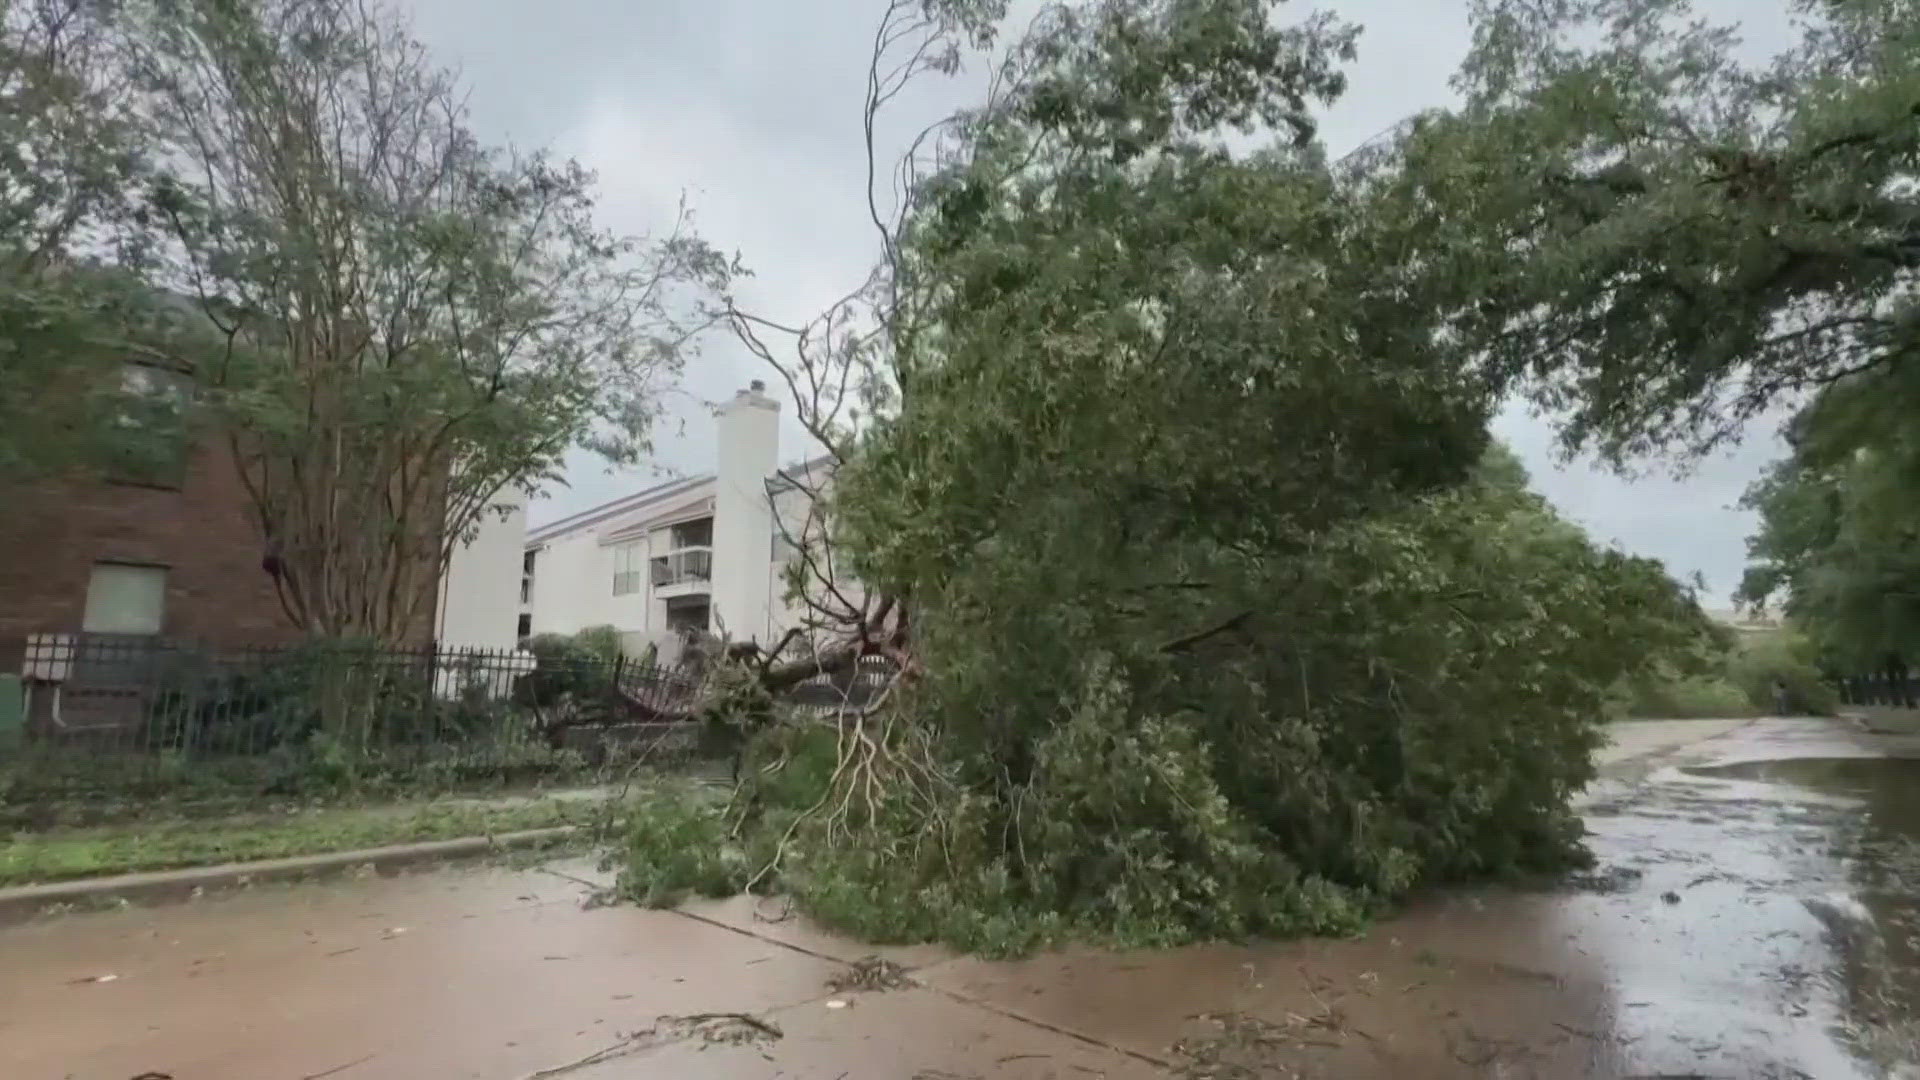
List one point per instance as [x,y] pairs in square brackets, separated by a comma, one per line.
[1172,503]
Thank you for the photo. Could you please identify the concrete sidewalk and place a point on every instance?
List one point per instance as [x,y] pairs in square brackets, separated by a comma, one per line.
[499,974]
[488,973]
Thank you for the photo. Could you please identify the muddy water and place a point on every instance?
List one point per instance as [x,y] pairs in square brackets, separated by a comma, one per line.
[1872,911]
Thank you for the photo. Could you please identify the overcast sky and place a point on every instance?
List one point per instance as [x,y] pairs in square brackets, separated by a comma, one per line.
[751,109]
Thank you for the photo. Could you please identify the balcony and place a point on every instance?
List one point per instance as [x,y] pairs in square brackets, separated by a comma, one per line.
[686,572]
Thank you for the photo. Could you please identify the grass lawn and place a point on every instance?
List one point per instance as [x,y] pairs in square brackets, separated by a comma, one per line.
[171,843]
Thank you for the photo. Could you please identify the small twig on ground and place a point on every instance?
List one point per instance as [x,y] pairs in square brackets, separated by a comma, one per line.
[338,1068]
[676,1028]
[786,910]
[764,1027]
[870,973]
[624,1046]
[569,877]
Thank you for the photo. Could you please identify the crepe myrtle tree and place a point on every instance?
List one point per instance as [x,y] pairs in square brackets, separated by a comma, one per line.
[406,323]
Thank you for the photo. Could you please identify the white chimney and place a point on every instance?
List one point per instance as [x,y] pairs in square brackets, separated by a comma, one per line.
[743,587]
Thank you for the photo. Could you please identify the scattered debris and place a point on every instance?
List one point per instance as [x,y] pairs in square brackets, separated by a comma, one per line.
[1247,1047]
[1610,879]
[725,1029]
[867,974]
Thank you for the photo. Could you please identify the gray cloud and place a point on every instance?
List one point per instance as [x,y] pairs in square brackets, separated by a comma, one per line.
[750,108]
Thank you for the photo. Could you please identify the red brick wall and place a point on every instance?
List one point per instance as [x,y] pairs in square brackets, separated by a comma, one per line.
[52,532]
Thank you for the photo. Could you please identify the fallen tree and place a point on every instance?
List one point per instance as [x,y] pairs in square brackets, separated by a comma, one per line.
[1212,614]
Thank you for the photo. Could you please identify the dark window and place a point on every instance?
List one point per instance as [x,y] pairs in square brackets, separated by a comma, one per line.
[687,613]
[693,534]
[525,629]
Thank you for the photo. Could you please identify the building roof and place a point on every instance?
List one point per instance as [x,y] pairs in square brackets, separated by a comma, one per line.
[606,511]
[783,480]
[645,497]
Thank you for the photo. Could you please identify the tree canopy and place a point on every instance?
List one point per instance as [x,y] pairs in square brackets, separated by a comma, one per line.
[74,304]
[1838,548]
[1666,240]
[1663,240]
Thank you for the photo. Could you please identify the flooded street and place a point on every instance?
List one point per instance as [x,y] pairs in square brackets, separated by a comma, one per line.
[1751,914]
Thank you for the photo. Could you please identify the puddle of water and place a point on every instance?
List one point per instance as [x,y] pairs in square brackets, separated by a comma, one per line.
[1872,915]
[1889,783]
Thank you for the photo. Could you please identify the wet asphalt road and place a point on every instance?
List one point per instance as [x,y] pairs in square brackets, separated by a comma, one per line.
[1751,915]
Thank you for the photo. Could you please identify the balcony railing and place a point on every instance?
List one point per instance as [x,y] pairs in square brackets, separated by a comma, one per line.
[685,565]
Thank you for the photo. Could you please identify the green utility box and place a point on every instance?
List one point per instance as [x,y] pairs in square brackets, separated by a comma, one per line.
[13,712]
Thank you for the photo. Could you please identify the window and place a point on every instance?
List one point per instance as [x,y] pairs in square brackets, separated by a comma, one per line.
[687,613]
[693,534]
[124,598]
[149,444]
[628,560]
[525,628]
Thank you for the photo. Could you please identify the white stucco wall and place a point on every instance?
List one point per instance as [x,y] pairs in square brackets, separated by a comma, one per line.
[572,575]
[480,592]
[749,441]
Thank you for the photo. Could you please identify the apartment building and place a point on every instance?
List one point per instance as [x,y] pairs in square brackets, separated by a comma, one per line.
[704,553]
[166,545]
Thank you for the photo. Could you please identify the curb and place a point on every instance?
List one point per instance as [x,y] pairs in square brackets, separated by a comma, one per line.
[24,901]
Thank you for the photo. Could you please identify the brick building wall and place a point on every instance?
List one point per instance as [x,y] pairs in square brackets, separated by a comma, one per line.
[53,532]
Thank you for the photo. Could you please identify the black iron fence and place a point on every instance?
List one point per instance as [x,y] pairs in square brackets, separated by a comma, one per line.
[110,713]
[1892,691]
[105,710]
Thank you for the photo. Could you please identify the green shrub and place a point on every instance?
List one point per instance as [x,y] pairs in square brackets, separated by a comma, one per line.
[600,642]
[1786,655]
[1667,695]
[678,844]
